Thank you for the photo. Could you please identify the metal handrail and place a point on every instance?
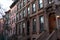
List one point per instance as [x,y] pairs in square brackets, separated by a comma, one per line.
[41,35]
[51,34]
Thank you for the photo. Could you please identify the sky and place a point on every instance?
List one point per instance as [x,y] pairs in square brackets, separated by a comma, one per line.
[5,6]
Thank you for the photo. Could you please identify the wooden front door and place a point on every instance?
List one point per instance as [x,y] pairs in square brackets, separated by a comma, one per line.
[52,22]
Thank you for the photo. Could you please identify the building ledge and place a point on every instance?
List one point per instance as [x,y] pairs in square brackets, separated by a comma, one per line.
[13,4]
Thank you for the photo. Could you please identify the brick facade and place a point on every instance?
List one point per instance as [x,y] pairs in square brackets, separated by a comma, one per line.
[35,19]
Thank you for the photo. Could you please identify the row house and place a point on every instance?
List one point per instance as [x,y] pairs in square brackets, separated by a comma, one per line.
[6,25]
[30,20]
[36,19]
[12,16]
[9,26]
[9,22]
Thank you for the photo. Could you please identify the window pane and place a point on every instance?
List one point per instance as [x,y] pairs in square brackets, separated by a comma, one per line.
[41,21]
[34,7]
[17,16]
[23,25]
[24,2]
[24,12]
[23,29]
[21,15]
[21,4]
[28,10]
[40,3]
[34,25]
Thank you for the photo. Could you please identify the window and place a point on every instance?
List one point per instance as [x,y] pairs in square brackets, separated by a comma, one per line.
[28,10]
[17,17]
[21,14]
[41,21]
[34,25]
[40,3]
[24,12]
[23,25]
[21,4]
[33,7]
[24,2]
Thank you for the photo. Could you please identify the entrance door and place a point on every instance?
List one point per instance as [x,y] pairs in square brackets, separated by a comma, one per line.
[52,22]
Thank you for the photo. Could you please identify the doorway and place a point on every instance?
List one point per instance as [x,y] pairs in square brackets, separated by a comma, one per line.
[52,22]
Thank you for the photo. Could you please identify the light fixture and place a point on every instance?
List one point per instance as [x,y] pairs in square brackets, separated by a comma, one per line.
[57,16]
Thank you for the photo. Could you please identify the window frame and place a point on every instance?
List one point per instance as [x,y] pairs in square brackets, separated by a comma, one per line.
[40,3]
[17,16]
[28,11]
[34,25]
[33,8]
[24,12]
[40,27]
[24,2]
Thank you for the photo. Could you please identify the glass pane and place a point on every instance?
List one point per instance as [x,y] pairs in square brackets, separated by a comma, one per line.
[41,18]
[41,1]
[41,5]
[34,7]
[28,10]
[34,25]
[23,25]
[24,13]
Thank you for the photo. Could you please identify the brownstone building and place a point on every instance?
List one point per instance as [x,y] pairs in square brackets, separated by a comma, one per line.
[37,19]
[12,20]
[9,25]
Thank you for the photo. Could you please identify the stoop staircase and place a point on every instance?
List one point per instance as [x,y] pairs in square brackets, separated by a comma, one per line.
[46,36]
